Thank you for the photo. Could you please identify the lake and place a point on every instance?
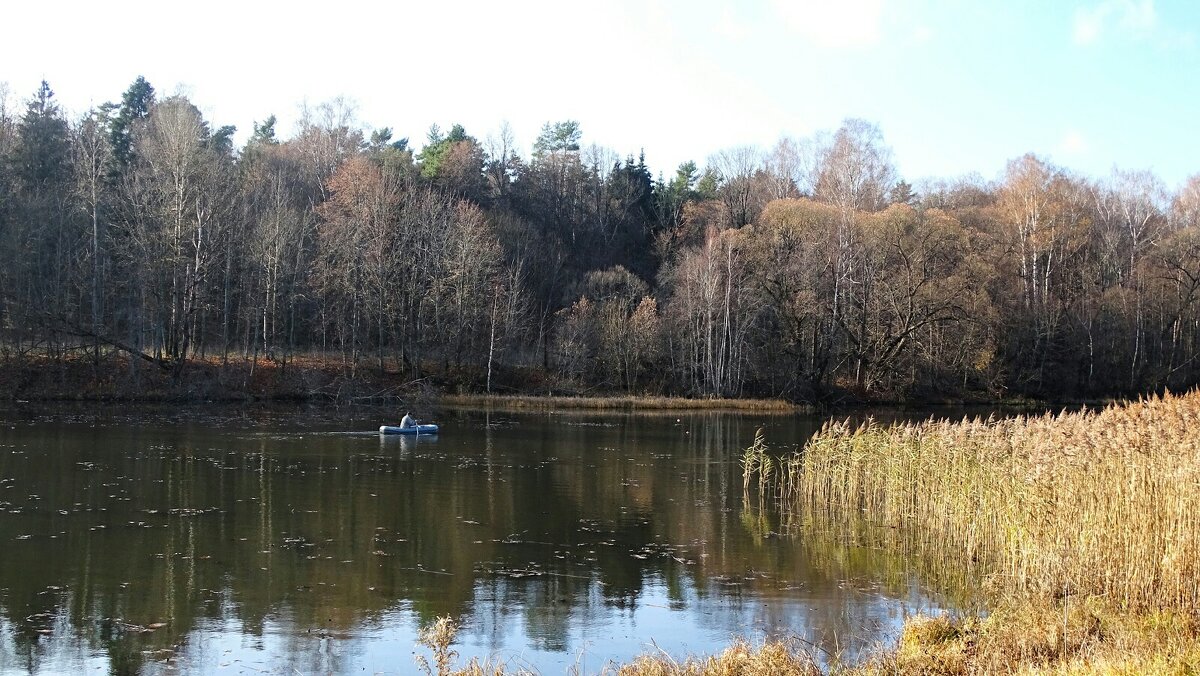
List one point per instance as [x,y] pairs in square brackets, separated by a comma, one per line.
[294,539]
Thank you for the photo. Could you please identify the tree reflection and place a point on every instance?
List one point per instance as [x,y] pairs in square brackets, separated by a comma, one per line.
[528,527]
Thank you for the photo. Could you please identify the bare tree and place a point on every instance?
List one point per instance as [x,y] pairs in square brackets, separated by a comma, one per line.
[181,196]
[713,311]
[92,158]
[855,170]
[1185,207]
[1131,207]
[503,161]
[782,166]
[738,168]
[329,133]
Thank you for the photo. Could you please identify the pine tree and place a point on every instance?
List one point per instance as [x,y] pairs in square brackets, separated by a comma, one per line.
[558,137]
[44,152]
[135,106]
[902,193]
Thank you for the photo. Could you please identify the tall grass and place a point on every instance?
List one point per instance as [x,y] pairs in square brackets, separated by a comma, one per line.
[1098,504]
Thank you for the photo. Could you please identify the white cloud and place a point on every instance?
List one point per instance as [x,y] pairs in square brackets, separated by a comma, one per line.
[848,23]
[1073,143]
[731,27]
[1136,18]
[922,34]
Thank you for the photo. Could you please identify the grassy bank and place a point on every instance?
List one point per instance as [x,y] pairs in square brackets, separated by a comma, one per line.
[1024,640]
[1024,636]
[1020,638]
[517,402]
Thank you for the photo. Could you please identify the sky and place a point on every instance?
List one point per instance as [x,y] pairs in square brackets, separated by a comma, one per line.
[956,86]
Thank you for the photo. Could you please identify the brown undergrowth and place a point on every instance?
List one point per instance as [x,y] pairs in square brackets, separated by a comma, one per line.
[117,377]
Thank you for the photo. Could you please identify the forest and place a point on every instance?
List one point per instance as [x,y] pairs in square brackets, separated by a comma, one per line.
[137,238]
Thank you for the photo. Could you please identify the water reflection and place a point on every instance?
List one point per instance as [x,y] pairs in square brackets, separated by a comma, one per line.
[276,540]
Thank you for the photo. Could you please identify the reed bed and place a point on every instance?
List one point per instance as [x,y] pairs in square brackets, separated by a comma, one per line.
[1095,503]
[635,403]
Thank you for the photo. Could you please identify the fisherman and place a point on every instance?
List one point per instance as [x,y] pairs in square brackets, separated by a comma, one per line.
[408,421]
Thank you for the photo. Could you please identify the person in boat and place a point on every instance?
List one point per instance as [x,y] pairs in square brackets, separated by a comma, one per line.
[408,422]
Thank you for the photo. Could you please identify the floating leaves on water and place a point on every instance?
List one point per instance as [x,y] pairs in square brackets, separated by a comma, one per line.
[520,572]
[134,628]
[189,511]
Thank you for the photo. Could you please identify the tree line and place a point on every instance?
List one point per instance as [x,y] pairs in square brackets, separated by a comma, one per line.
[809,271]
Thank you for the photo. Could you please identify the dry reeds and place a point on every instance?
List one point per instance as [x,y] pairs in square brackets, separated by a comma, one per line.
[773,658]
[756,461]
[438,636]
[632,403]
[1095,504]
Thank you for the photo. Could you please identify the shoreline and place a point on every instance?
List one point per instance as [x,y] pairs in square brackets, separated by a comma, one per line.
[516,402]
[307,380]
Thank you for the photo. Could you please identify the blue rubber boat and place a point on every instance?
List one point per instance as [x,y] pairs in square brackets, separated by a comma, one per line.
[419,429]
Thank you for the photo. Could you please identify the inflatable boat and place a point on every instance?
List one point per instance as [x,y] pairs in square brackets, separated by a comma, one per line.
[419,429]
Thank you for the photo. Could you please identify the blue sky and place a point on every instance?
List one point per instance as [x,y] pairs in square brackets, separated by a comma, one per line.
[955,86]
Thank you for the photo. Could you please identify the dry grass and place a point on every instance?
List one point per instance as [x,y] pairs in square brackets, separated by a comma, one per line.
[1091,637]
[740,659]
[514,402]
[1103,504]
[773,658]
[1018,637]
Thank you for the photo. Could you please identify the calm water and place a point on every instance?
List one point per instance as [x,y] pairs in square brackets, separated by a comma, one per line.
[281,541]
